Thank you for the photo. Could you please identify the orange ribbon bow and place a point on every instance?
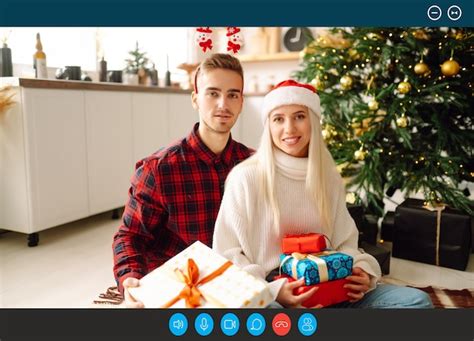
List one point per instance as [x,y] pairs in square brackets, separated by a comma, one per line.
[190,292]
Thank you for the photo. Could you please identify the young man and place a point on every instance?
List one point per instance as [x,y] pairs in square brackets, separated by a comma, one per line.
[176,193]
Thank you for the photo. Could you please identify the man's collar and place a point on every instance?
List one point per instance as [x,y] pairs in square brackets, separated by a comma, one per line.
[204,153]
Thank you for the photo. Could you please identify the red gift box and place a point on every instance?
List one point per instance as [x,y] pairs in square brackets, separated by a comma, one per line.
[303,243]
[329,293]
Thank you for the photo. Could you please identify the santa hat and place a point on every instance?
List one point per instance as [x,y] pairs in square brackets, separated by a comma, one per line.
[204,29]
[291,92]
[232,30]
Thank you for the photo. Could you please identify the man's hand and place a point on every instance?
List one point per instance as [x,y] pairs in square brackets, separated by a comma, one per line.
[287,299]
[130,302]
[360,284]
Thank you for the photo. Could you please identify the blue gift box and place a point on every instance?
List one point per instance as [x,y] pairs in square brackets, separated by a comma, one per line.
[317,268]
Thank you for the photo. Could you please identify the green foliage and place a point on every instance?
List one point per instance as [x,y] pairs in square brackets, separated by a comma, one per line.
[433,153]
[138,60]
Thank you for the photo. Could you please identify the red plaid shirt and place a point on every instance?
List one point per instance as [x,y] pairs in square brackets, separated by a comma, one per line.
[173,201]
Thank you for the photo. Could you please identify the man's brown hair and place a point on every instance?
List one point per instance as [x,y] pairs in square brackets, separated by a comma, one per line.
[219,61]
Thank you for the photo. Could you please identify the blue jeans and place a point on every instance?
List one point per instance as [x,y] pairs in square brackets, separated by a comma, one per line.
[385,296]
[390,296]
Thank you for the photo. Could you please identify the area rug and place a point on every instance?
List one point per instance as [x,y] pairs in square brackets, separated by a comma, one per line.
[441,297]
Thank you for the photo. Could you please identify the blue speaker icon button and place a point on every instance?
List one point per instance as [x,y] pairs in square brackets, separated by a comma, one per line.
[230,324]
[178,324]
[256,324]
[204,324]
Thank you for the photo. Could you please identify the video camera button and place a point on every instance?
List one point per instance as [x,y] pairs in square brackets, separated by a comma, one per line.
[230,324]
[178,324]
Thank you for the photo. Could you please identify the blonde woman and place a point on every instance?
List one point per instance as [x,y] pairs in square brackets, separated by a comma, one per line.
[291,186]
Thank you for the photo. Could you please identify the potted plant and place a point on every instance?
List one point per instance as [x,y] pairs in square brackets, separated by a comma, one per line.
[136,71]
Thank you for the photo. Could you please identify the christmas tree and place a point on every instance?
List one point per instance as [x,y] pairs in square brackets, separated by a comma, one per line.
[138,60]
[397,110]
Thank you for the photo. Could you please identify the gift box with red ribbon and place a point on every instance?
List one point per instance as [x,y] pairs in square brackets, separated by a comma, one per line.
[303,243]
[328,293]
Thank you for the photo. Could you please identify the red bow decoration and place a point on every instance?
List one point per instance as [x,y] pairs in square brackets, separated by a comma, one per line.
[206,45]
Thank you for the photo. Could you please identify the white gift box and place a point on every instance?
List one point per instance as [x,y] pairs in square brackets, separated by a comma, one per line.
[234,288]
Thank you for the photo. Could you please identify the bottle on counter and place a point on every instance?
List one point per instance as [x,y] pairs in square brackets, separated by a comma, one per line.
[154,76]
[167,74]
[39,60]
[6,66]
[102,70]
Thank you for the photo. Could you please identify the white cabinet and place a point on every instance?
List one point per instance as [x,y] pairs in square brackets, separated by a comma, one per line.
[181,116]
[109,148]
[150,123]
[56,154]
[66,154]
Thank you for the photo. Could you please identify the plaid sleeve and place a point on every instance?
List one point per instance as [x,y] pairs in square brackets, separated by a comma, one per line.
[143,214]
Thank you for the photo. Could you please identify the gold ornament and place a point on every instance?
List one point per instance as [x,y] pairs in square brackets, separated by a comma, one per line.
[317,83]
[373,105]
[404,87]
[402,122]
[420,35]
[421,68]
[353,54]
[350,198]
[380,116]
[460,36]
[329,132]
[450,67]
[374,36]
[359,155]
[346,82]
[335,41]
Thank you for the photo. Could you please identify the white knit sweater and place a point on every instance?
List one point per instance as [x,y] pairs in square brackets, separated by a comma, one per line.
[246,235]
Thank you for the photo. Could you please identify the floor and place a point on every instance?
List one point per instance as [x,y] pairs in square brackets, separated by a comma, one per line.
[73,264]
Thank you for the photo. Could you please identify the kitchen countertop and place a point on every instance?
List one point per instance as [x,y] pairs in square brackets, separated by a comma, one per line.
[80,85]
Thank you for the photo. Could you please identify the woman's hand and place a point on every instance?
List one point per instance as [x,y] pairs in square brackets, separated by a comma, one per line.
[287,299]
[360,284]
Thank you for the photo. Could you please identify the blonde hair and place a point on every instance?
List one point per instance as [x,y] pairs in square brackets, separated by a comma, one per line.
[320,177]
